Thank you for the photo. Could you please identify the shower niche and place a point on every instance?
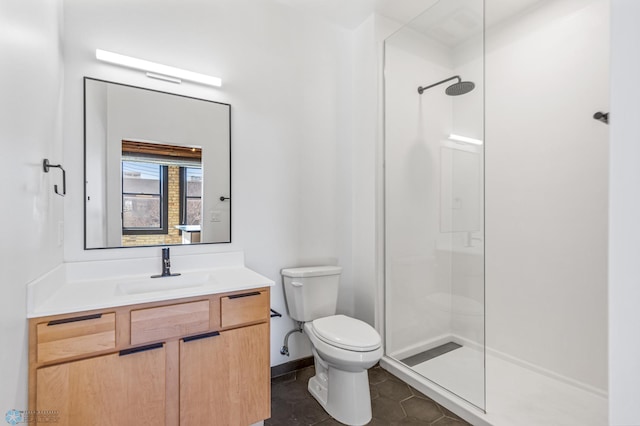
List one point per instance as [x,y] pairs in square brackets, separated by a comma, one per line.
[434,198]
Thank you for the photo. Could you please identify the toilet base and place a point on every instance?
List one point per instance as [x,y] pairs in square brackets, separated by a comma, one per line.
[318,388]
[343,394]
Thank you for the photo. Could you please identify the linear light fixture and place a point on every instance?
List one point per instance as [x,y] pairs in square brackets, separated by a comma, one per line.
[465,139]
[156,70]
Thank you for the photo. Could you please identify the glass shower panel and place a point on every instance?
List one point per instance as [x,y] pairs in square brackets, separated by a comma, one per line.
[434,197]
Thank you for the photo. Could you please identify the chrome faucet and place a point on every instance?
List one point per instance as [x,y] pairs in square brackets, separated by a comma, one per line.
[166,265]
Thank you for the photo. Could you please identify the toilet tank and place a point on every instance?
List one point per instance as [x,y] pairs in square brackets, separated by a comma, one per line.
[311,292]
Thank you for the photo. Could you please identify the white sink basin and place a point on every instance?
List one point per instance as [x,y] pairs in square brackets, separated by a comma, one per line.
[150,285]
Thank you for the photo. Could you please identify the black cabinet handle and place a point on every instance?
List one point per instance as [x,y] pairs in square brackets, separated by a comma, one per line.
[74,319]
[237,296]
[200,336]
[141,349]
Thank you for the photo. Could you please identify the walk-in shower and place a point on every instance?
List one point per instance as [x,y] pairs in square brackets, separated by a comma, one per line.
[498,335]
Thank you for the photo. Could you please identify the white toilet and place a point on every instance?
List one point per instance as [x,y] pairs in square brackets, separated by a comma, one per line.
[343,347]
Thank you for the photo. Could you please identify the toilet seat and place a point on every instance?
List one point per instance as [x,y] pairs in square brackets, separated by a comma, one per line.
[347,333]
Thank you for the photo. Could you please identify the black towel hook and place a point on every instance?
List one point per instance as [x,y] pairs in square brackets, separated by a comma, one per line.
[602,116]
[46,166]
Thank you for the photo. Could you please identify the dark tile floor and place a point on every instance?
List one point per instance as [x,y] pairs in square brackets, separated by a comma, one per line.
[392,402]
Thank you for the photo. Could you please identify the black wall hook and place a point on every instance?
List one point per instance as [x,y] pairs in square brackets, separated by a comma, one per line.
[46,166]
[602,116]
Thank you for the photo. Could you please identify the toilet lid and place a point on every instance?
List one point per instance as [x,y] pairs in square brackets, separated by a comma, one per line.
[347,333]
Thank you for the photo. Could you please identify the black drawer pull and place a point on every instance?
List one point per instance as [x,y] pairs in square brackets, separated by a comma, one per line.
[141,349]
[74,319]
[237,296]
[201,336]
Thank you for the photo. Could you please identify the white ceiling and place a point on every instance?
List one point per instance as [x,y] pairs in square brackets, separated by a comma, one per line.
[349,14]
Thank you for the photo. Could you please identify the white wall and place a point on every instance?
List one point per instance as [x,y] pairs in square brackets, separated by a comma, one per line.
[366,168]
[30,130]
[287,78]
[363,167]
[624,211]
[546,182]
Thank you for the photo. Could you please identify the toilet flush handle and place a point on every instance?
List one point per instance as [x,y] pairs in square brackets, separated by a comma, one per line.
[296,284]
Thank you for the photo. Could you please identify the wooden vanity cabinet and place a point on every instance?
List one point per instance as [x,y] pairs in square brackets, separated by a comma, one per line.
[188,362]
[220,369]
[115,389]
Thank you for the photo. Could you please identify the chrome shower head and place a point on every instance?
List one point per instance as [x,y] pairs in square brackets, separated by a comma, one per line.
[456,89]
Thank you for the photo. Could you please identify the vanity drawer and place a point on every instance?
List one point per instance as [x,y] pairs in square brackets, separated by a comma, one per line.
[243,308]
[165,322]
[74,336]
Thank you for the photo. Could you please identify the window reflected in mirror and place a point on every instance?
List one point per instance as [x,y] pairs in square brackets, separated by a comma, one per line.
[161,193]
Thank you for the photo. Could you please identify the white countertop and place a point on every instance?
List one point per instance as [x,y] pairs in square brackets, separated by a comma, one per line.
[83,286]
[188,228]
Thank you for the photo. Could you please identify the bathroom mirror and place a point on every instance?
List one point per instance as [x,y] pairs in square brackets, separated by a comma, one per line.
[157,167]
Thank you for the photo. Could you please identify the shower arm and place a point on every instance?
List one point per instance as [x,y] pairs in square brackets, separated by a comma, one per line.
[422,89]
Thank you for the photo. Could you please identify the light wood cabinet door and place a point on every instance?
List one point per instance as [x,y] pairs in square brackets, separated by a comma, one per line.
[249,373]
[225,378]
[126,388]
